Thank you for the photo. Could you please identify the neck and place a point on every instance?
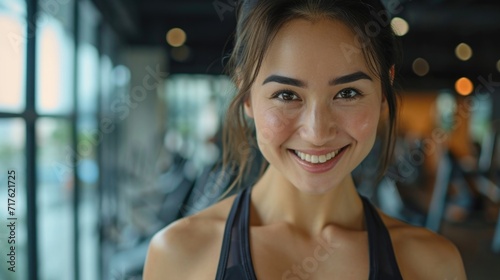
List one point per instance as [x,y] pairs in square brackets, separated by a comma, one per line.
[276,200]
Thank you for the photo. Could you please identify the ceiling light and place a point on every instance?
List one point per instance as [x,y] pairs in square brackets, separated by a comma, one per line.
[464,86]
[400,26]
[176,37]
[463,51]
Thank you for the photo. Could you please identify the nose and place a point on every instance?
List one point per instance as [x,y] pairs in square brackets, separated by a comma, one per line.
[318,125]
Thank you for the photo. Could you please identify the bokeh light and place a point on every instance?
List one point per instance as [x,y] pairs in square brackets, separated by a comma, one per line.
[464,86]
[463,51]
[420,67]
[181,54]
[176,37]
[400,26]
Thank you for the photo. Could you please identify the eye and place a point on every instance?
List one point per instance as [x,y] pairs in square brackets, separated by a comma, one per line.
[348,93]
[285,96]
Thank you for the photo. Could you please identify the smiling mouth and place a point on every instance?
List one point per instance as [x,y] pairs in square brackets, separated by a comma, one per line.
[318,159]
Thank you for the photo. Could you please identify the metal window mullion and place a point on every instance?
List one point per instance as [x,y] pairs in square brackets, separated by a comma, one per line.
[74,143]
[99,34]
[31,150]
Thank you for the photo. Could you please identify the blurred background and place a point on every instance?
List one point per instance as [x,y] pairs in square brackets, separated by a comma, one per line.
[110,114]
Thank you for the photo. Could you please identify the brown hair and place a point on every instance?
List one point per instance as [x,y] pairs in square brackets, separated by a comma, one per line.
[258,23]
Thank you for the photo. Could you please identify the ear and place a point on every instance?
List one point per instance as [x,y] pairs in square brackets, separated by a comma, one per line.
[392,74]
[247,105]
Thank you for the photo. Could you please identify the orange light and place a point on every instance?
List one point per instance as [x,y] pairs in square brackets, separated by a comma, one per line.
[464,86]
[176,37]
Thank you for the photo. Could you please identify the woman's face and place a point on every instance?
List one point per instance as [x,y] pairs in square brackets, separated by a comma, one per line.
[315,104]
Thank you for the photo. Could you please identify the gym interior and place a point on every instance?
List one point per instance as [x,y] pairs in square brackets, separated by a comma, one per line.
[111,115]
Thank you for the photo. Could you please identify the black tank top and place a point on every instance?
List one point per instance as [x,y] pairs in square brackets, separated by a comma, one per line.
[235,261]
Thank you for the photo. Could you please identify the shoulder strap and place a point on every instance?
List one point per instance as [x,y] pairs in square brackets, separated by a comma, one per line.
[373,244]
[226,241]
[244,230]
[383,264]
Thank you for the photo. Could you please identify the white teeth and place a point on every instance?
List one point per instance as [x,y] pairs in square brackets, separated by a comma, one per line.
[315,158]
[322,158]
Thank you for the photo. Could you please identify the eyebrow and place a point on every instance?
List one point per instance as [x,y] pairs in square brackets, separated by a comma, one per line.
[349,78]
[284,80]
[360,75]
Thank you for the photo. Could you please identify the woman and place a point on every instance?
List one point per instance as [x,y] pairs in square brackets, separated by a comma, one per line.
[315,78]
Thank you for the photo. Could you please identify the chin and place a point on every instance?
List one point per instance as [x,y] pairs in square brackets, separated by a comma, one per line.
[316,188]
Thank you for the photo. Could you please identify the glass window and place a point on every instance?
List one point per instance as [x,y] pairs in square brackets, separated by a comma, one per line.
[12,157]
[54,205]
[107,82]
[89,137]
[88,63]
[88,58]
[13,55]
[54,60]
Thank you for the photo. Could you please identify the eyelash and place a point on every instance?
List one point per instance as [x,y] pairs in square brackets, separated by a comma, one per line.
[358,94]
[291,92]
[279,92]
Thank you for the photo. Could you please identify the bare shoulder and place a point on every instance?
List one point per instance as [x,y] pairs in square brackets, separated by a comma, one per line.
[188,248]
[423,254]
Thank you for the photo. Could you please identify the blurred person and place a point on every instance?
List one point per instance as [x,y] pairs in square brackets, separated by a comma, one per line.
[314,80]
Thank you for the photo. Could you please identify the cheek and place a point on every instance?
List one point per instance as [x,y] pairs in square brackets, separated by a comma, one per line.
[363,125]
[272,125]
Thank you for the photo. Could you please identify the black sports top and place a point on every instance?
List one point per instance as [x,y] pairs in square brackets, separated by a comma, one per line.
[235,261]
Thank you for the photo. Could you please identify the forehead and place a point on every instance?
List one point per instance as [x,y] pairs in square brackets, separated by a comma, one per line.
[311,48]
